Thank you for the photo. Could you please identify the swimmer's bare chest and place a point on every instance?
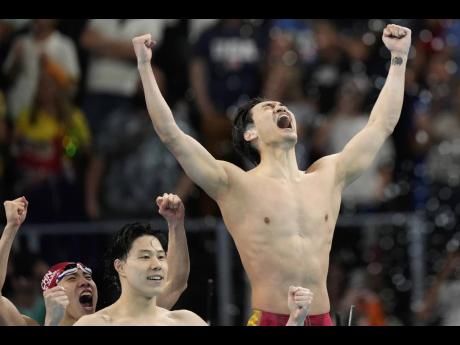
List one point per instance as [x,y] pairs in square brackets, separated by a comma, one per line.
[110,319]
[283,231]
[276,208]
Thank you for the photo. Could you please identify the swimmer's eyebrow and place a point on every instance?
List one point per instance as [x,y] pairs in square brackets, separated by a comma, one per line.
[70,275]
[149,251]
[272,104]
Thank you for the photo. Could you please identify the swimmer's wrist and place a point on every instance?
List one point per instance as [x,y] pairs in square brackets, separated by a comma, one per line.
[293,321]
[297,318]
[398,57]
[176,224]
[143,64]
[11,228]
[52,320]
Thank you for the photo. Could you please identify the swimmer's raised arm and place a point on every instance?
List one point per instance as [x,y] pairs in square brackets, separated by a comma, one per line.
[197,162]
[16,212]
[172,209]
[361,150]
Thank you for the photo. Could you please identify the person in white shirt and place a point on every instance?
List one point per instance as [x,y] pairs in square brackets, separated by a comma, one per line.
[43,46]
[111,83]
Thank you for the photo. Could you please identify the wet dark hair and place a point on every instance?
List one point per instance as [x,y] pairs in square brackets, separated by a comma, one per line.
[121,244]
[242,119]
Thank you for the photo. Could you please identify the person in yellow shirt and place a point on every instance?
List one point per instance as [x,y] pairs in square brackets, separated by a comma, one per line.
[50,143]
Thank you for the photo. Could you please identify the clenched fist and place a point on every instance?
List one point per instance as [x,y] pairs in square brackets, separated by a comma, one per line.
[299,302]
[143,48]
[171,208]
[16,211]
[397,39]
[56,302]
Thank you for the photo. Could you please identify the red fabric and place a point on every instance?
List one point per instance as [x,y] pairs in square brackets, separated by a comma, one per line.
[272,319]
[52,162]
[50,279]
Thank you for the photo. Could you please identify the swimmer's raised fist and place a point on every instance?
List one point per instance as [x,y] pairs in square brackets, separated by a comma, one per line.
[170,206]
[143,48]
[397,39]
[16,211]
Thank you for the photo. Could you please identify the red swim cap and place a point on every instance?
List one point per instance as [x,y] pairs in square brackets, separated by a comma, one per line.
[59,271]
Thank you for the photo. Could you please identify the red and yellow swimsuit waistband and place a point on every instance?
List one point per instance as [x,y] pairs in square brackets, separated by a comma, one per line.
[264,318]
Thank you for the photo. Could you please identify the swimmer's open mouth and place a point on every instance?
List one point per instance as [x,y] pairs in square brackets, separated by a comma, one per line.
[86,299]
[284,121]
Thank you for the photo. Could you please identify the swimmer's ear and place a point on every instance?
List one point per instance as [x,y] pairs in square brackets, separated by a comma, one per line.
[250,134]
[119,267]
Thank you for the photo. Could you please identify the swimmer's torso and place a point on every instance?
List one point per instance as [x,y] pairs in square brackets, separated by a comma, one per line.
[283,231]
[112,316]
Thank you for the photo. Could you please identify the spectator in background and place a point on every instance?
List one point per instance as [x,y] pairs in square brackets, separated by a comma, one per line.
[443,298]
[324,74]
[112,81]
[452,40]
[135,163]
[224,72]
[27,272]
[435,138]
[9,30]
[51,141]
[437,120]
[369,307]
[284,73]
[301,34]
[430,41]
[336,284]
[43,45]
[346,119]
[172,58]
[197,26]
[4,144]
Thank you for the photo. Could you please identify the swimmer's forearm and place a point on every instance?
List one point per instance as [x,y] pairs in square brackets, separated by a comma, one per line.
[6,241]
[197,162]
[387,109]
[52,320]
[179,258]
[159,111]
[296,320]
[179,266]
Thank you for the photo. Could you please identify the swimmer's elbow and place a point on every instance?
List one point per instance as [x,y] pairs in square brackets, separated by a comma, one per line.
[169,134]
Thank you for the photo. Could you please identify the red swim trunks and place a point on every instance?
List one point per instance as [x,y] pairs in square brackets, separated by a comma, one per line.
[263,318]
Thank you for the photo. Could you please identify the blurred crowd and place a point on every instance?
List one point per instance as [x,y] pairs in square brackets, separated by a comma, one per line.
[76,138]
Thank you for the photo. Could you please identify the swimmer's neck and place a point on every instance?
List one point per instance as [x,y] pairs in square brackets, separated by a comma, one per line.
[278,163]
[134,304]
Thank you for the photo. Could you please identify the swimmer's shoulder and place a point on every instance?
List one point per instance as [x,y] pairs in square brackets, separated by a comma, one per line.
[100,318]
[231,168]
[186,318]
[326,164]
